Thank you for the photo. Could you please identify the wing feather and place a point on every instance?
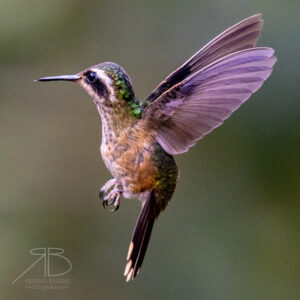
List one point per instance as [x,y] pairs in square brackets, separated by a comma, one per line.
[243,35]
[194,107]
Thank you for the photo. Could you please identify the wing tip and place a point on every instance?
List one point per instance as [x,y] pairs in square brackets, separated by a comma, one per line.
[258,16]
[254,18]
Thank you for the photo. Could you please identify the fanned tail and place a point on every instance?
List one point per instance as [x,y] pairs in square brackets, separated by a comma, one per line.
[140,238]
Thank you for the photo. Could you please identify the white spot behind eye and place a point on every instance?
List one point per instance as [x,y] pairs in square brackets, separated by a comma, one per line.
[108,82]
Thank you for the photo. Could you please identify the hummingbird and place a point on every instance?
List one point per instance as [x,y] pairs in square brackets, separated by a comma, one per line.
[140,138]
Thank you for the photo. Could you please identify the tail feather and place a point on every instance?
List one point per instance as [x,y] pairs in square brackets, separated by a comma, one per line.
[140,238]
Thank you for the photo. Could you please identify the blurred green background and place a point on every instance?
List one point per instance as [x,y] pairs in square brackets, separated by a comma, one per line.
[232,228]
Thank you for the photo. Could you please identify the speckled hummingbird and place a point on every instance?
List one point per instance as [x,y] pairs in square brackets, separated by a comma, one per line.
[139,138]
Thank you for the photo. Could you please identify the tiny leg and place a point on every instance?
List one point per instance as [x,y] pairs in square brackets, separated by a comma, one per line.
[113,197]
[106,188]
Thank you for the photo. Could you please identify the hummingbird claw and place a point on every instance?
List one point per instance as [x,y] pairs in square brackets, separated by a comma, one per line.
[112,201]
[113,197]
[116,201]
[101,195]
[116,208]
[104,203]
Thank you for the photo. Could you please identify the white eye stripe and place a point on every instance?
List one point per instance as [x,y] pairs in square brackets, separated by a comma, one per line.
[108,83]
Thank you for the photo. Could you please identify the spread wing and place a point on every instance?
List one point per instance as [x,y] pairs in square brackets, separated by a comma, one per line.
[243,35]
[201,102]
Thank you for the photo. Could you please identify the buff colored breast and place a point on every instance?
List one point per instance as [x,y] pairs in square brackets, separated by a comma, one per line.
[129,157]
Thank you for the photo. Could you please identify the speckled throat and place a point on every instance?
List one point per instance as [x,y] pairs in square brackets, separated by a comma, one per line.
[115,119]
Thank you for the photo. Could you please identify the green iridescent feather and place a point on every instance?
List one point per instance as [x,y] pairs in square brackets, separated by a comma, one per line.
[123,89]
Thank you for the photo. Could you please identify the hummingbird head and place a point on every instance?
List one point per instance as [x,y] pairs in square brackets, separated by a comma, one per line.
[107,83]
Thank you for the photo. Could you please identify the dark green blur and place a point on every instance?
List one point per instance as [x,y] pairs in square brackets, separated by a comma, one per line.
[231,230]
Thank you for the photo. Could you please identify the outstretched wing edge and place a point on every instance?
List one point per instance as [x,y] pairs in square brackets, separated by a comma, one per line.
[194,107]
[243,35]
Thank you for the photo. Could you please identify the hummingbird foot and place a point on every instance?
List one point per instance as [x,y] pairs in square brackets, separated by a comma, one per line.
[106,187]
[114,195]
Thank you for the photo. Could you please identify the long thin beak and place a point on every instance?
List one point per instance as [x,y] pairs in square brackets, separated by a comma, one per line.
[61,77]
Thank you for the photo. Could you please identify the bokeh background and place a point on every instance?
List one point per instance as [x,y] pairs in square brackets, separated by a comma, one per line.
[232,228]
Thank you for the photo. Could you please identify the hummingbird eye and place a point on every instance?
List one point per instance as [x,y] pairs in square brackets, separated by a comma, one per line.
[91,76]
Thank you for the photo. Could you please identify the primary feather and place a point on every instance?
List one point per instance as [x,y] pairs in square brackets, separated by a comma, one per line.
[243,35]
[219,78]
